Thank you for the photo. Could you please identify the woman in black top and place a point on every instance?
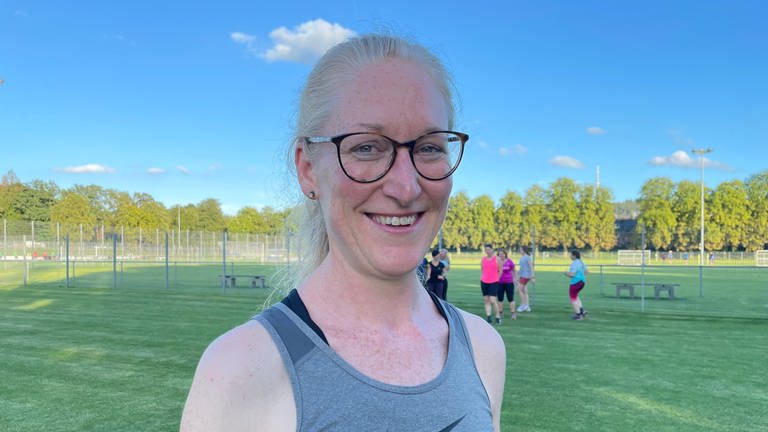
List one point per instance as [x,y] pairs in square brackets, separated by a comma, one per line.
[435,278]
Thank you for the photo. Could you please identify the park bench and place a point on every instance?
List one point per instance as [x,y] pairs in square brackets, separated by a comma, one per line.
[256,280]
[669,288]
[629,286]
[658,288]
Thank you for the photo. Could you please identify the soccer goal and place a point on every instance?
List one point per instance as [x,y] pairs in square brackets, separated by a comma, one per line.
[761,258]
[633,257]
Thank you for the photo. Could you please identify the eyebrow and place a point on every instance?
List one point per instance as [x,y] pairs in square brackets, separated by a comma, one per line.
[380,128]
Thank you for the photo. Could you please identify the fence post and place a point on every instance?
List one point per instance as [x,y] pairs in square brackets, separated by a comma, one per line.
[166,260]
[224,258]
[642,270]
[601,280]
[114,260]
[67,258]
[24,240]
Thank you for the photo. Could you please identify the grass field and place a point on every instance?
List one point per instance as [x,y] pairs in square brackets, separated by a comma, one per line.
[96,358]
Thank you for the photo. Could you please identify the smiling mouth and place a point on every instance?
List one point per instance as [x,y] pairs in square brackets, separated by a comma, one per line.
[395,220]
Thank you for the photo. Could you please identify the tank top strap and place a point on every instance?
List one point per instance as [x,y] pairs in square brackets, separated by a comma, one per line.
[295,342]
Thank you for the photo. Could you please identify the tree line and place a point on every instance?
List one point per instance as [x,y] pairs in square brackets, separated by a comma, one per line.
[735,214]
[93,205]
[561,216]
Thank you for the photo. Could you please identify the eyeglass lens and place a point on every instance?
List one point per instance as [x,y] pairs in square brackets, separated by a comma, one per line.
[366,157]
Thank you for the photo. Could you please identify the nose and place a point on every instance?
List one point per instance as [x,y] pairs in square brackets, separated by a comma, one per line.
[402,181]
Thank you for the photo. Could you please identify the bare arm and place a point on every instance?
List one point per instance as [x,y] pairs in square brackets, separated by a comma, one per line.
[240,384]
[491,359]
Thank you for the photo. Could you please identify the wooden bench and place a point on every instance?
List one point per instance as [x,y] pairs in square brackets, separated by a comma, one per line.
[669,288]
[256,281]
[630,287]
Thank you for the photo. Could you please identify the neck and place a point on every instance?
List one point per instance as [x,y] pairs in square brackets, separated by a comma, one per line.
[362,297]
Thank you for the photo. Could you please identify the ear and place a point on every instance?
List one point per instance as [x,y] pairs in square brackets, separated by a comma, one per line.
[305,169]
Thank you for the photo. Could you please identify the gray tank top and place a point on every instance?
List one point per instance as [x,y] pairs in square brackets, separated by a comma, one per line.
[331,395]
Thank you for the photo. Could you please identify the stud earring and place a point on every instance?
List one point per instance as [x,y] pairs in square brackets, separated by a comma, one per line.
[311,195]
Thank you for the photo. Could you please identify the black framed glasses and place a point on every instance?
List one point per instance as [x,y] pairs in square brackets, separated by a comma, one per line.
[365,157]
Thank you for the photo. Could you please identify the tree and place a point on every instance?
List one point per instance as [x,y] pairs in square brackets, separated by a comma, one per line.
[757,229]
[509,218]
[211,216]
[534,209]
[686,206]
[656,212]
[483,227]
[247,220]
[596,226]
[562,215]
[606,220]
[729,210]
[72,212]
[457,220]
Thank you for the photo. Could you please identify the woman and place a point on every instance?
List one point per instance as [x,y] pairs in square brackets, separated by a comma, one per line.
[435,278]
[506,284]
[526,276]
[359,344]
[489,283]
[577,273]
[446,260]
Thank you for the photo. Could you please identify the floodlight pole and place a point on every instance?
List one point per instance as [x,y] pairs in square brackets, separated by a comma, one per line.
[701,153]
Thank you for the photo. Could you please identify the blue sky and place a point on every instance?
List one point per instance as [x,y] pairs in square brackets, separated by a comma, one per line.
[188,101]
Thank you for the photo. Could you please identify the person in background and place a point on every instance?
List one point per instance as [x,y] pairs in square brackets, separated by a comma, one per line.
[446,260]
[577,272]
[506,284]
[358,344]
[489,283]
[435,278]
[526,275]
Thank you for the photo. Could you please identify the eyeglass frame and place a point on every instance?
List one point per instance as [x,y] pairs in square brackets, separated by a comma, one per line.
[336,140]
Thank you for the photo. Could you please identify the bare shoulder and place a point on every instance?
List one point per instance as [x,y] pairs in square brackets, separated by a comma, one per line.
[240,382]
[491,360]
[483,336]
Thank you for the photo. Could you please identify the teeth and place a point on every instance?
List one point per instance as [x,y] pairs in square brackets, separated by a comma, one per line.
[395,220]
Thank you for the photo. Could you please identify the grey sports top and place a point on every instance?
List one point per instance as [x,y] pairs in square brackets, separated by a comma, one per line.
[331,395]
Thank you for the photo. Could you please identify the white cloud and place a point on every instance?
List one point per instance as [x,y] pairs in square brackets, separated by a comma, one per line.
[306,42]
[184,170]
[482,144]
[154,171]
[683,159]
[566,162]
[242,38]
[517,150]
[88,168]
[595,130]
[215,166]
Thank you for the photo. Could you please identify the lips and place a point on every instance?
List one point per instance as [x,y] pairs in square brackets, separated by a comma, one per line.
[405,220]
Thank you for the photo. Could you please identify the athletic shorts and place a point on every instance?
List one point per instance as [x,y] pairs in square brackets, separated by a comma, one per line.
[524,281]
[574,289]
[489,289]
[509,289]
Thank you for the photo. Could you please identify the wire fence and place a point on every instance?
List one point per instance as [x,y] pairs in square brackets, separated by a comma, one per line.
[48,241]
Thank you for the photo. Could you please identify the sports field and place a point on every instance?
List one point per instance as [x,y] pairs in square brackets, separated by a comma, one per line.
[96,357]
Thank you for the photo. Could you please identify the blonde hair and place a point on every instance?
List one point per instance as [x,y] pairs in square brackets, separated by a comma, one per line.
[338,66]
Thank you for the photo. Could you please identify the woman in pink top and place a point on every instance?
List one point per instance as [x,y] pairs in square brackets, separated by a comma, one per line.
[490,271]
[506,284]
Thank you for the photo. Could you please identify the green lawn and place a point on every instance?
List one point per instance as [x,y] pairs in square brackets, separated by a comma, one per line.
[94,357]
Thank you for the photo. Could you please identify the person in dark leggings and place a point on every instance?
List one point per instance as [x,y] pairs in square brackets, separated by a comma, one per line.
[506,284]
[435,278]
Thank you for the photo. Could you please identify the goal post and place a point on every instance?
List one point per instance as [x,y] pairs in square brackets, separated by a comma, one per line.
[761,258]
[631,257]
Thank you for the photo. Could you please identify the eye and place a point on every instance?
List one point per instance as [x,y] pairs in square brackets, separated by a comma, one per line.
[366,147]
